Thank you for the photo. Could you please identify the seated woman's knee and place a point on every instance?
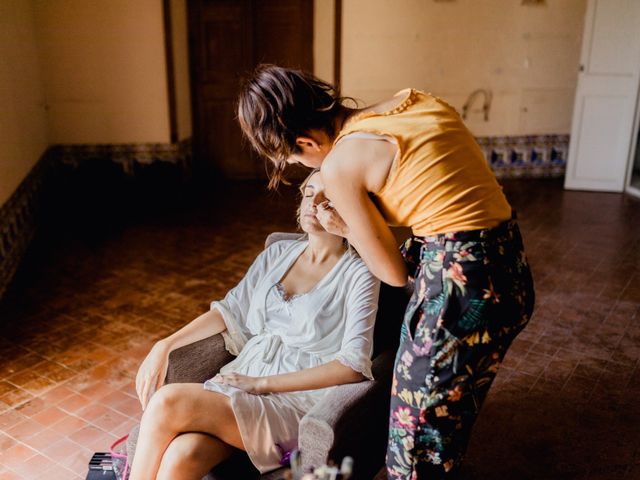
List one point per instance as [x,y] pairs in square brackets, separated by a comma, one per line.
[165,403]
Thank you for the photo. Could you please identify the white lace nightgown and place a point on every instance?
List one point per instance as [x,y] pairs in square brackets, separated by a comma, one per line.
[272,335]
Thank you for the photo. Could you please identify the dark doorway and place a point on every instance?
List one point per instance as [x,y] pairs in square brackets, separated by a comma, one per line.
[227,39]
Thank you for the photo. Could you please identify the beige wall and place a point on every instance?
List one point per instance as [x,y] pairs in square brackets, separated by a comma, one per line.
[23,125]
[100,67]
[104,70]
[527,55]
[323,38]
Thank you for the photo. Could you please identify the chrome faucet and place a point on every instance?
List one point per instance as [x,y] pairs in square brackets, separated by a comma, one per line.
[485,107]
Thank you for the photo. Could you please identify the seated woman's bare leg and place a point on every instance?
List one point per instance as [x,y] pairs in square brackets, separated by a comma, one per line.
[191,455]
[178,408]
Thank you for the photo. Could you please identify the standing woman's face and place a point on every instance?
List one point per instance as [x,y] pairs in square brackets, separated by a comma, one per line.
[312,196]
[306,159]
[313,149]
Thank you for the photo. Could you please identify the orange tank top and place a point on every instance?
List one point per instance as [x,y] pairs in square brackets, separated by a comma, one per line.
[440,181]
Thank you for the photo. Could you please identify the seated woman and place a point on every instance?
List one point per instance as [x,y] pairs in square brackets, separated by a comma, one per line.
[300,321]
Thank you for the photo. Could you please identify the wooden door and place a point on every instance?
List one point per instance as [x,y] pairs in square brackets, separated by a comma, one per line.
[606,97]
[227,39]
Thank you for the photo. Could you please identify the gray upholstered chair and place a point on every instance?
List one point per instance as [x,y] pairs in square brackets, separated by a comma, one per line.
[351,420]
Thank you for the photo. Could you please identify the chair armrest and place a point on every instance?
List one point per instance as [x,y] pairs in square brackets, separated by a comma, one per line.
[352,420]
[193,363]
[198,361]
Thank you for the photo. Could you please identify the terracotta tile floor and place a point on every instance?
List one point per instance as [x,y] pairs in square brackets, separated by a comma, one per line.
[85,309]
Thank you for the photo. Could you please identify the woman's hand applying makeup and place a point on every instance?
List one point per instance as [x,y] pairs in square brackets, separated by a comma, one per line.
[330,220]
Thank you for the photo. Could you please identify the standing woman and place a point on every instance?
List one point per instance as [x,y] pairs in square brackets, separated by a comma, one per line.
[410,161]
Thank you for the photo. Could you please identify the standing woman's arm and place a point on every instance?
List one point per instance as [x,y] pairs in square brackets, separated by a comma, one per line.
[347,172]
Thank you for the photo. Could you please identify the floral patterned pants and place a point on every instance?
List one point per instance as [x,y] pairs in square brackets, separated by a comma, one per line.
[473,293]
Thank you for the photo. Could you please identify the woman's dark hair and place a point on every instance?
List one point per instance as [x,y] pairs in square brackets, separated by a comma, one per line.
[276,105]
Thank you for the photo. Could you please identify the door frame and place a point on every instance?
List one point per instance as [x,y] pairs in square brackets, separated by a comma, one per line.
[622,178]
[169,59]
[635,131]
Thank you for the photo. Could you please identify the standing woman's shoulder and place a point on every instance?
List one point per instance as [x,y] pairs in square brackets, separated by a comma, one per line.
[362,162]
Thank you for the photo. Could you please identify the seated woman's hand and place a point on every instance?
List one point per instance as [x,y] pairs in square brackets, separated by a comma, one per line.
[254,385]
[152,373]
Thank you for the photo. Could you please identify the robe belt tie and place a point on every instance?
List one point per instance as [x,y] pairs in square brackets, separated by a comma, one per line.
[272,347]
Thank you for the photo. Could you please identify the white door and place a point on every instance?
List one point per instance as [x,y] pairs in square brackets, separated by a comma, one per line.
[606,97]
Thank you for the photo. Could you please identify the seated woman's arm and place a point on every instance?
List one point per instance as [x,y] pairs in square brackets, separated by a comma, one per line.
[207,324]
[352,363]
[153,369]
[327,375]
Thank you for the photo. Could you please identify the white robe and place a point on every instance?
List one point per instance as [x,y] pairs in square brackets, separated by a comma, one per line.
[271,335]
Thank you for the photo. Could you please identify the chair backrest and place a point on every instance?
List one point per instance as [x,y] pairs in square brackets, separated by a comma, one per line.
[391,305]
[277,236]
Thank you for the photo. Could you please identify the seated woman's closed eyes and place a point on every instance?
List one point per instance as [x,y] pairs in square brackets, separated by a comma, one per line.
[300,322]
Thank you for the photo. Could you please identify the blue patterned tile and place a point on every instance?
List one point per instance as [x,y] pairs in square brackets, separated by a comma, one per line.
[531,156]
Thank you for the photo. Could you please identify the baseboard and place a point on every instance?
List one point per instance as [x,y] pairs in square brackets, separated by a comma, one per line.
[126,155]
[20,216]
[527,156]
